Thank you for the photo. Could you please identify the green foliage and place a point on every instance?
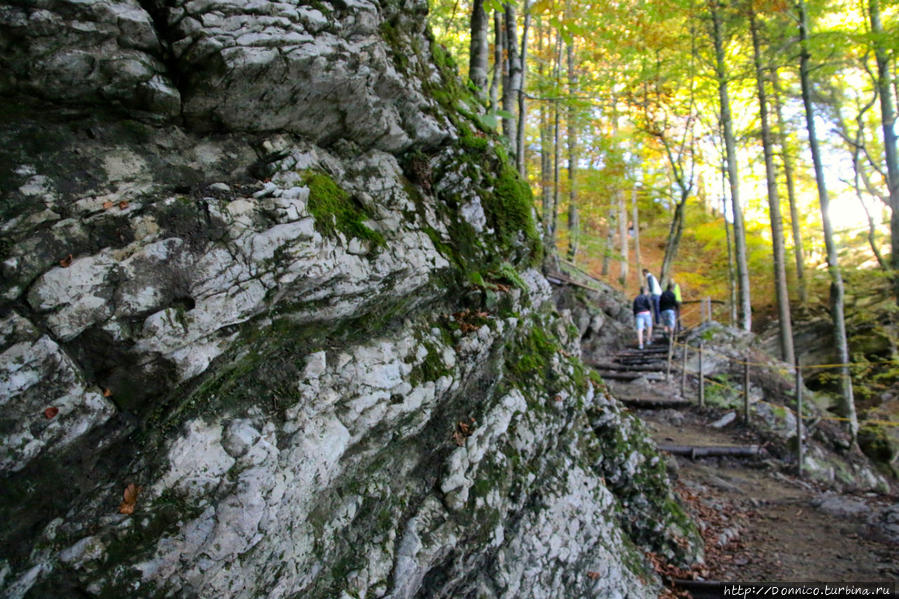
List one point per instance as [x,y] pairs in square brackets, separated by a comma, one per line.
[335,210]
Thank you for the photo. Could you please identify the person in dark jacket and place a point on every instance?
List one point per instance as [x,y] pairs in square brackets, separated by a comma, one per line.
[643,316]
[668,309]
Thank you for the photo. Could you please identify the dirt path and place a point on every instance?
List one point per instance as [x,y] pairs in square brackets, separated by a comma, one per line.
[760,523]
[768,526]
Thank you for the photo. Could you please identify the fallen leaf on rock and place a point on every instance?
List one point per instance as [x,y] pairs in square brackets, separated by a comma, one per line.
[51,412]
[129,499]
[107,392]
[593,575]
[123,204]
[107,205]
[66,262]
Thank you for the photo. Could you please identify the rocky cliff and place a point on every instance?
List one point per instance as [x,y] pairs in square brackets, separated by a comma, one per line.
[271,325]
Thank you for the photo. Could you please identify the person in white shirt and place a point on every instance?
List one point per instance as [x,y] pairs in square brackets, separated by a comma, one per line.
[655,292]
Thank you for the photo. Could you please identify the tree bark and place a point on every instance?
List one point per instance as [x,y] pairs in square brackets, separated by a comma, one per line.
[675,232]
[546,196]
[522,105]
[478,47]
[573,220]
[777,240]
[508,98]
[610,242]
[557,146]
[497,60]
[743,289]
[787,159]
[731,270]
[833,265]
[888,121]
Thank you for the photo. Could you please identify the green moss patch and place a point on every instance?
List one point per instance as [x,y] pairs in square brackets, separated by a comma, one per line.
[336,210]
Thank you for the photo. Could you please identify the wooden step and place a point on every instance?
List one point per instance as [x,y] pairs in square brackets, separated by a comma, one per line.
[626,367]
[707,451]
[650,403]
[617,375]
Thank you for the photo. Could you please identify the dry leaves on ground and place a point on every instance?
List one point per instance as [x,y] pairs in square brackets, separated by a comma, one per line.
[129,499]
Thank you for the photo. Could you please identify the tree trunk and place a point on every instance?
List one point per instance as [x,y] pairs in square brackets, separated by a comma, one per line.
[549,240]
[478,48]
[833,265]
[731,270]
[511,97]
[497,60]
[787,158]
[777,240]
[546,190]
[557,146]
[636,220]
[622,234]
[888,121]
[573,221]
[743,289]
[610,242]
[522,107]
[513,67]
[675,231]
[508,97]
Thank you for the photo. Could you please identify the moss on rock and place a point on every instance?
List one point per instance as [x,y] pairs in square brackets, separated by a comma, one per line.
[336,210]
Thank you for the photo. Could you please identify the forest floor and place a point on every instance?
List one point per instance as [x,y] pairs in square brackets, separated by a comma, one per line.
[760,522]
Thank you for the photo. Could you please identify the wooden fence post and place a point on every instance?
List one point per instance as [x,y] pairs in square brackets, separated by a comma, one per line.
[683,375]
[746,391]
[670,351]
[701,379]
[798,419]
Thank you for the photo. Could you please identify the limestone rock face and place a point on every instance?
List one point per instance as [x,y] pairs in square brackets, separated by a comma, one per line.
[270,325]
[95,52]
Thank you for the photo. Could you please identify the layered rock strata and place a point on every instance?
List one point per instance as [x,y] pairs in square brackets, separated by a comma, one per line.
[261,262]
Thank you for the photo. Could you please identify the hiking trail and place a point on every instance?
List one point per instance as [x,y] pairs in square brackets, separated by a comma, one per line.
[760,521]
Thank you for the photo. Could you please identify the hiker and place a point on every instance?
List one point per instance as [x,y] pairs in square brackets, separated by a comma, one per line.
[668,309]
[678,301]
[655,292]
[643,316]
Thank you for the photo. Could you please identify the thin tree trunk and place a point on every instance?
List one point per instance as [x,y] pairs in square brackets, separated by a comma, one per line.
[787,158]
[675,232]
[557,146]
[478,48]
[549,240]
[546,190]
[510,94]
[610,242]
[743,288]
[573,220]
[636,220]
[497,60]
[522,105]
[888,121]
[622,234]
[777,241]
[507,99]
[731,271]
[833,265]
